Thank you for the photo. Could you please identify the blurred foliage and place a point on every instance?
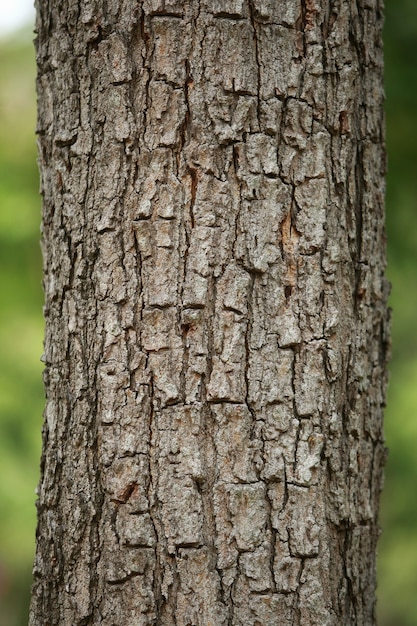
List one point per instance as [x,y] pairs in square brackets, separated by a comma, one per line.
[21,326]
[397,571]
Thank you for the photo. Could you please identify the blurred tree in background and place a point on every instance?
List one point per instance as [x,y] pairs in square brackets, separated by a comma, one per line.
[21,326]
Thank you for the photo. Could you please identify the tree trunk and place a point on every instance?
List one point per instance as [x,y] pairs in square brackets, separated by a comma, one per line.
[216,323]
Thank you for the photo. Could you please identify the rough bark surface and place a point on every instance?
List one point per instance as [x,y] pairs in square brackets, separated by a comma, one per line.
[216,326]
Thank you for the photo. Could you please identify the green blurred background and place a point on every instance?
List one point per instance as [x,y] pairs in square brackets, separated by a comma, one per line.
[21,326]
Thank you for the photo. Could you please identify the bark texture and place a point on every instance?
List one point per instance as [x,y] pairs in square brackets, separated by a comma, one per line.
[216,325]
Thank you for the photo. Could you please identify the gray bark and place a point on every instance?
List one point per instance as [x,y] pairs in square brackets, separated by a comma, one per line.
[216,324]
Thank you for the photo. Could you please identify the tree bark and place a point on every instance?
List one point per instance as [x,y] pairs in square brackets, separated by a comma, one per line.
[216,323]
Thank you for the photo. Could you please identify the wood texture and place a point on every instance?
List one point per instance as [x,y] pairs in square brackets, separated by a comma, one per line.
[215,302]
